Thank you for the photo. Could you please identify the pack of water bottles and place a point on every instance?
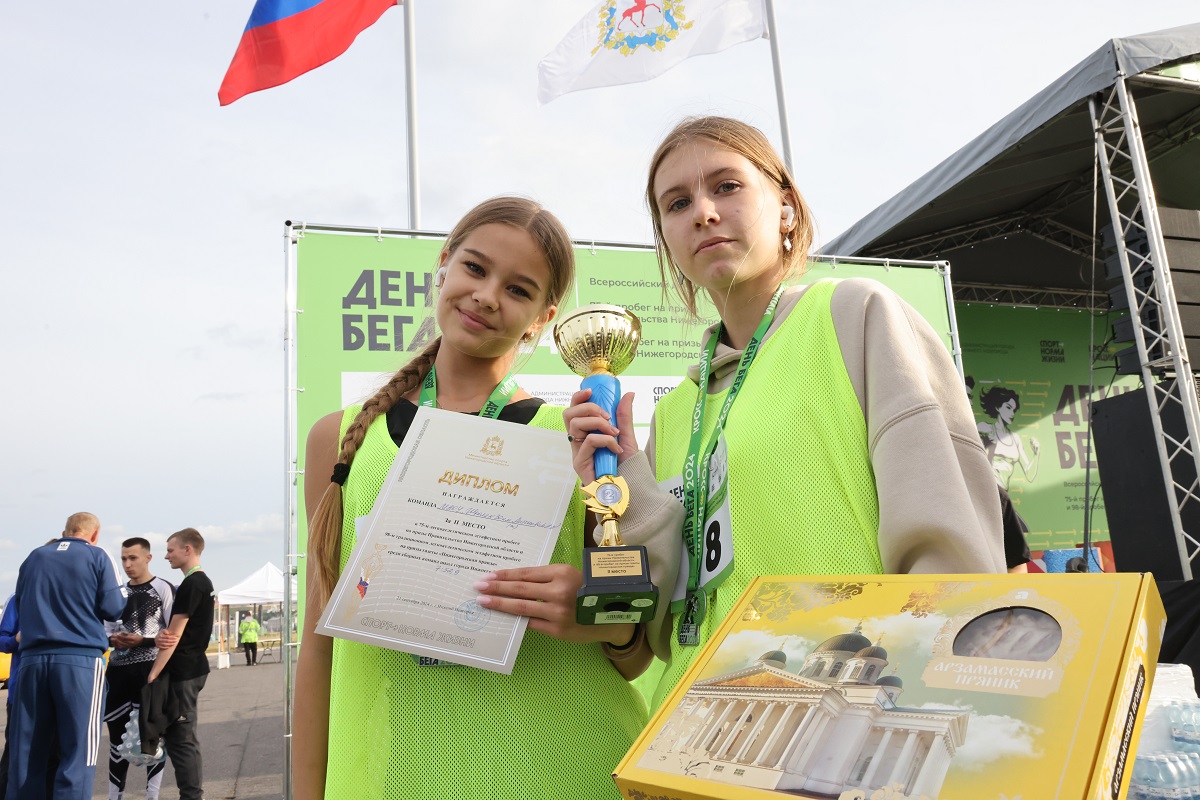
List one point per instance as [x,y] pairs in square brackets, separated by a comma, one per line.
[130,747]
[1168,760]
[1166,774]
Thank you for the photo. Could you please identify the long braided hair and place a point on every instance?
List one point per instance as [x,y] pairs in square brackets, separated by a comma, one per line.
[325,529]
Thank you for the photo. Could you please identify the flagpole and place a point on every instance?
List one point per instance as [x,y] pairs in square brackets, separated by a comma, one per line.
[773,36]
[410,104]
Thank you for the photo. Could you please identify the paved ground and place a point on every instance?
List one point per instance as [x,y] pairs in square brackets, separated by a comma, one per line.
[241,738]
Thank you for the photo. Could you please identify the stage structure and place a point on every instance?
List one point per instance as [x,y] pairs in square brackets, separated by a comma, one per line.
[1062,198]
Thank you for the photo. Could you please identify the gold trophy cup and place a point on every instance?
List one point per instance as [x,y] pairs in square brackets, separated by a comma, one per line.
[598,342]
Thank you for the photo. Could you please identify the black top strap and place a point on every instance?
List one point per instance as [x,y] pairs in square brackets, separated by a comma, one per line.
[401,415]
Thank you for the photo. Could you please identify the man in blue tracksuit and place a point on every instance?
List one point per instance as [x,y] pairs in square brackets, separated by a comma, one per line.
[9,639]
[65,590]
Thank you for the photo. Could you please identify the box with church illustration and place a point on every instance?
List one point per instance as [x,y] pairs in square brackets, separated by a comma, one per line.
[907,687]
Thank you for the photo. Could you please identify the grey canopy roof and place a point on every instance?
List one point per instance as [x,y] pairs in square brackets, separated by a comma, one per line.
[1014,206]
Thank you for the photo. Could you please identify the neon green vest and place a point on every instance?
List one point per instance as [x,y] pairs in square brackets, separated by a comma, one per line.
[556,727]
[802,491]
[248,630]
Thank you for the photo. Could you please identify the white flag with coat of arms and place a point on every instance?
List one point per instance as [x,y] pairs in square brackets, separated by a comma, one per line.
[626,41]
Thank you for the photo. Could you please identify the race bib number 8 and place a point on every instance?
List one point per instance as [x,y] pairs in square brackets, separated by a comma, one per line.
[716,543]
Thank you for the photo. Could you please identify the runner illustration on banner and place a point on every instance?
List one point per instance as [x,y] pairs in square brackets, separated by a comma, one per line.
[1003,444]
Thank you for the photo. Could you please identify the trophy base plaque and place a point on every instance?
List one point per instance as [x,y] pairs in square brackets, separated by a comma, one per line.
[616,587]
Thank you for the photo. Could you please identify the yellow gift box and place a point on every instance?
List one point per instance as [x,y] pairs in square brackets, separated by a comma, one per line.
[911,687]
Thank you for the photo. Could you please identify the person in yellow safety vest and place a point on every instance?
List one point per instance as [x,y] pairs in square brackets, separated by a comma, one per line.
[248,635]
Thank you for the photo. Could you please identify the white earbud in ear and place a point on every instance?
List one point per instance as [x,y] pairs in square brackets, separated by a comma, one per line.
[789,216]
[439,277]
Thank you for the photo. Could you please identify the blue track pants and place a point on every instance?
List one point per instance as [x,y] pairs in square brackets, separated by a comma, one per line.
[63,695]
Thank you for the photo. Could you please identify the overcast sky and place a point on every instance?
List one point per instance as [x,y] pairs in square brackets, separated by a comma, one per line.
[141,309]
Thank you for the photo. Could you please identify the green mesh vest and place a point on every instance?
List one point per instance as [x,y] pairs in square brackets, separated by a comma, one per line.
[554,728]
[802,491]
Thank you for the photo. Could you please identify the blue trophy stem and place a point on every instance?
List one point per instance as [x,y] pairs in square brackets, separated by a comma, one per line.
[606,393]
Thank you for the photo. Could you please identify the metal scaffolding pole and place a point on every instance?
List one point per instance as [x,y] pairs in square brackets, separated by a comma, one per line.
[410,113]
[1158,332]
[291,558]
[785,132]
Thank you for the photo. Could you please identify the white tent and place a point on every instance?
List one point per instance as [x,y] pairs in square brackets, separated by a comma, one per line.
[264,586]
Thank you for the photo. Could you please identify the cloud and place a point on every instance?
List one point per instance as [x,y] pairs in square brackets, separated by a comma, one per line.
[158,541]
[904,637]
[7,544]
[223,397]
[901,628]
[991,737]
[232,335]
[741,649]
[261,528]
[232,549]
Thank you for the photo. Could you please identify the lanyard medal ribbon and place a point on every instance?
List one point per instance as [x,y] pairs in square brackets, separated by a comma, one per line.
[696,476]
[496,401]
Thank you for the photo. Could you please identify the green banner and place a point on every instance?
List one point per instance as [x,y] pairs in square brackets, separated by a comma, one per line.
[366,306]
[1028,377]
[923,286]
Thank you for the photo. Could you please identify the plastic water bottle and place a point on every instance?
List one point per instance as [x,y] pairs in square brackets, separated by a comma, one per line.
[1182,716]
[1140,778]
[1193,762]
[1175,711]
[1149,778]
[1185,725]
[1181,781]
[1187,788]
[1190,763]
[1167,779]
[1191,718]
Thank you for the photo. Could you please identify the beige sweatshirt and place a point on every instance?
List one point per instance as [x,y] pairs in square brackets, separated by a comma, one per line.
[939,511]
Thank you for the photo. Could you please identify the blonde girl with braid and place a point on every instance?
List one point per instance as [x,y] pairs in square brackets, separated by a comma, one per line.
[374,723]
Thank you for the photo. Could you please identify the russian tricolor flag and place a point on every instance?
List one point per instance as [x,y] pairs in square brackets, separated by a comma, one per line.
[286,38]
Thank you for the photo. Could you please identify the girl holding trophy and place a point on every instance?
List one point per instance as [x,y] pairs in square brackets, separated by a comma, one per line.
[377,723]
[850,449]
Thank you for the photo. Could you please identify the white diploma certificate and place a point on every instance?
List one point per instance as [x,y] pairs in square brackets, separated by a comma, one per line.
[465,496]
